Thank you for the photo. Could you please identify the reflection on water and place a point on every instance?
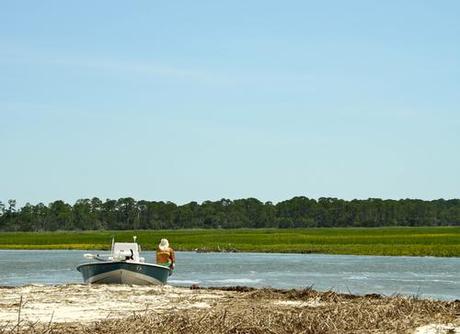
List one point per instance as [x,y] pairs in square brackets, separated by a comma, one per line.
[421,276]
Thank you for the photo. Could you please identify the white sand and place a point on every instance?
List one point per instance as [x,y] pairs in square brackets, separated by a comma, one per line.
[86,303]
[438,329]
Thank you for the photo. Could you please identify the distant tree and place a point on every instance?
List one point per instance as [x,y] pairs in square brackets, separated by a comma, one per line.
[59,216]
[127,213]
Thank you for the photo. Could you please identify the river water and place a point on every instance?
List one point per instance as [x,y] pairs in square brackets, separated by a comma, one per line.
[423,277]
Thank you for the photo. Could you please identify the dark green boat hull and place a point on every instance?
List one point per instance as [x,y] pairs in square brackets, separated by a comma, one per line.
[124,273]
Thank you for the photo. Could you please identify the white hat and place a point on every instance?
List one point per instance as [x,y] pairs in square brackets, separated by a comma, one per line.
[164,244]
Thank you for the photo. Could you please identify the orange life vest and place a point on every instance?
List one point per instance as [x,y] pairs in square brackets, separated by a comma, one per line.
[165,256]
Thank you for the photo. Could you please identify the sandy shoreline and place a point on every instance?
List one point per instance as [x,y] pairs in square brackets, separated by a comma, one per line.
[84,303]
[106,308]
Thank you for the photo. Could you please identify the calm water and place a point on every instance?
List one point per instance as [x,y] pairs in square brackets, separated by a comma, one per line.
[422,276]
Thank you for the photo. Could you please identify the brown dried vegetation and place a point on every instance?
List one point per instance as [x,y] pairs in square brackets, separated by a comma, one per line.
[257,311]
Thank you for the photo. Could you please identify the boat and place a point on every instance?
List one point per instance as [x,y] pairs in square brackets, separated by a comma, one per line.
[123,266]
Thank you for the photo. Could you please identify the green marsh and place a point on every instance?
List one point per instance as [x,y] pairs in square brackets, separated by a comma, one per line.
[418,241]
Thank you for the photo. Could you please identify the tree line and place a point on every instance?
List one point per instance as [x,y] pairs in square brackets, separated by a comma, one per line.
[127,214]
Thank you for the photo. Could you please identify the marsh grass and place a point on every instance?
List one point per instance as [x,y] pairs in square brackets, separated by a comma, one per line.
[419,241]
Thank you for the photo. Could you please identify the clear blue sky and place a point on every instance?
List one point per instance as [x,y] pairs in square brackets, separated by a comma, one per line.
[197,100]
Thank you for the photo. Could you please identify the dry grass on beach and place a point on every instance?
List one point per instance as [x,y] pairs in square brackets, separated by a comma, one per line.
[124,309]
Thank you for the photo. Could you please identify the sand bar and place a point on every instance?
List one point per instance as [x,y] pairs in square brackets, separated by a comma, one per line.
[79,308]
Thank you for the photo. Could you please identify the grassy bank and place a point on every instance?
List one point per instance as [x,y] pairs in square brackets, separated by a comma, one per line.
[420,241]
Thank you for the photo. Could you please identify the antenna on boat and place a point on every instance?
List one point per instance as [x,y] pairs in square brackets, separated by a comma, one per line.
[138,246]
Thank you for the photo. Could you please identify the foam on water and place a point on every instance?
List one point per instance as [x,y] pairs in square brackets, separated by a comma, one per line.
[236,281]
[358,277]
[183,282]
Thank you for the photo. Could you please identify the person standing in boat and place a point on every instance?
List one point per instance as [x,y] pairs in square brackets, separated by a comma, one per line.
[165,254]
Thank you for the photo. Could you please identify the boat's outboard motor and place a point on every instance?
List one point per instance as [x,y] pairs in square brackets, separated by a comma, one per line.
[130,257]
